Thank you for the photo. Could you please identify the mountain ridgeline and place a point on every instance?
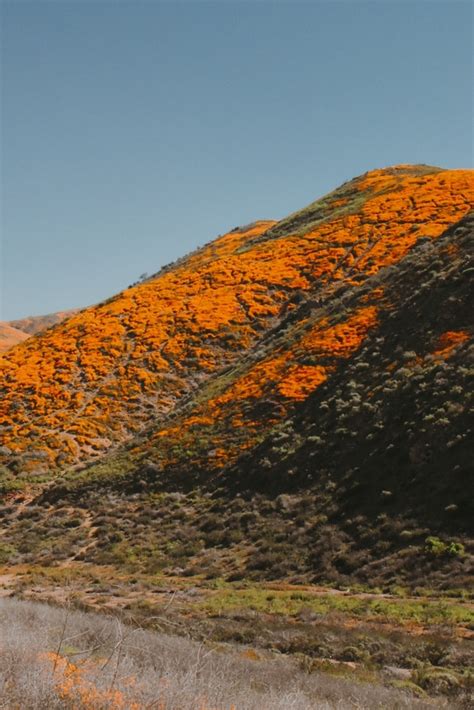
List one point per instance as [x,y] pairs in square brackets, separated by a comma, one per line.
[10,336]
[16,331]
[289,401]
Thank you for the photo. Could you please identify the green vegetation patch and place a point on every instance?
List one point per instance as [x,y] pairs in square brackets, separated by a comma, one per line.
[292,603]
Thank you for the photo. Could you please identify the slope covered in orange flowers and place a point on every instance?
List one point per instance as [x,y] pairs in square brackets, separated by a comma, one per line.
[300,359]
[114,370]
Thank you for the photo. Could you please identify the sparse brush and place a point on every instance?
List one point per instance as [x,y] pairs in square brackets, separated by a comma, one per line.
[57,658]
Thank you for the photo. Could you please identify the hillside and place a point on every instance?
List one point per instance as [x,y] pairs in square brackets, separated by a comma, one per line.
[10,336]
[35,324]
[107,373]
[16,331]
[290,401]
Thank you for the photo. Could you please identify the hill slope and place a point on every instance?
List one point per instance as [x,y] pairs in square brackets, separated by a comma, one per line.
[315,427]
[16,331]
[35,324]
[10,336]
[96,380]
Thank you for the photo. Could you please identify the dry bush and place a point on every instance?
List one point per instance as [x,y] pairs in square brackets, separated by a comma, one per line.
[59,658]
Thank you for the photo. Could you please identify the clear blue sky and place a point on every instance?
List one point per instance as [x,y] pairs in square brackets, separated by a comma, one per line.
[133,132]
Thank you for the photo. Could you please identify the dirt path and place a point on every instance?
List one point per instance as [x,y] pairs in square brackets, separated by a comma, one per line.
[6,584]
[91,529]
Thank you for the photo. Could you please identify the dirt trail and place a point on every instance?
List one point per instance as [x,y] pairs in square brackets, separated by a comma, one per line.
[23,502]
[6,584]
[91,529]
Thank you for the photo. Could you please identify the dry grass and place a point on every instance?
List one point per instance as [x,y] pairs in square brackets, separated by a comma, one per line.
[59,658]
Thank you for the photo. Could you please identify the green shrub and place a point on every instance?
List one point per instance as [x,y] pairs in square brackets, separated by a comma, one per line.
[436,547]
[6,551]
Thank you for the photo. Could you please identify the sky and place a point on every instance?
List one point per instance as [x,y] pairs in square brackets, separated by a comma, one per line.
[134,131]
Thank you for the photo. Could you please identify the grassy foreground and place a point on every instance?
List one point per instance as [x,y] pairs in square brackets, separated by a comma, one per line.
[57,658]
[334,647]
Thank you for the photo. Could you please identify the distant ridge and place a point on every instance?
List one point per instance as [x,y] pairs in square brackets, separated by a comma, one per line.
[16,331]
[35,324]
[10,336]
